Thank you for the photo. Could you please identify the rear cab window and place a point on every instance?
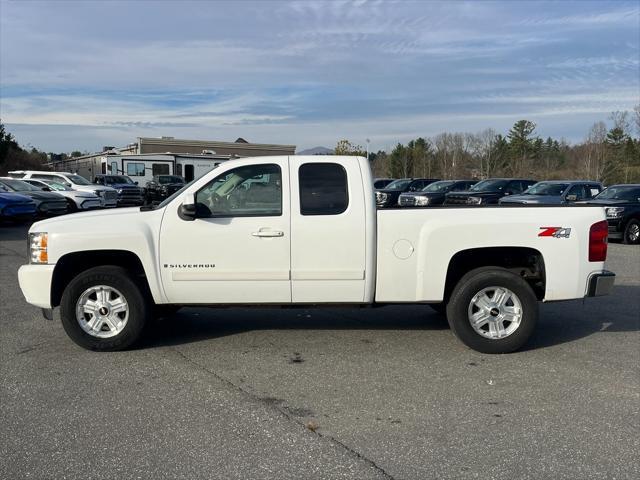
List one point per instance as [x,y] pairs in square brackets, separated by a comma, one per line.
[323,189]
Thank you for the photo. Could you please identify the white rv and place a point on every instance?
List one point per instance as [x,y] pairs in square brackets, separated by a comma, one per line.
[141,168]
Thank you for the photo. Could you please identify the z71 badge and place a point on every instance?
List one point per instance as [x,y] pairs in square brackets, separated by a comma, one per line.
[556,232]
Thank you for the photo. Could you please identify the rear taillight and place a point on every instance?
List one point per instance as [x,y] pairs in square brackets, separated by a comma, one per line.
[598,234]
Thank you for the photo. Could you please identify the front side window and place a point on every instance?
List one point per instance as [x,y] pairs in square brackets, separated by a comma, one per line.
[135,169]
[398,184]
[547,189]
[576,192]
[249,191]
[489,185]
[51,178]
[442,186]
[323,189]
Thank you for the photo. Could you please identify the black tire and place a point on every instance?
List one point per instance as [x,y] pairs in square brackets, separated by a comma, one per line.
[628,232]
[71,206]
[140,308]
[474,282]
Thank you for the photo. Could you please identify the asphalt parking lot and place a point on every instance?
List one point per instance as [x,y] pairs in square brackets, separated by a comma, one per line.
[296,393]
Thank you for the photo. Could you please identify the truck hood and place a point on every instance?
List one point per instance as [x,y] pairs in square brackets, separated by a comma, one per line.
[8,197]
[533,199]
[126,186]
[82,221]
[424,194]
[475,194]
[392,192]
[42,195]
[608,201]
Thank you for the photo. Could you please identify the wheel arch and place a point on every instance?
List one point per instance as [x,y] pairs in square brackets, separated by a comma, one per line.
[72,264]
[524,261]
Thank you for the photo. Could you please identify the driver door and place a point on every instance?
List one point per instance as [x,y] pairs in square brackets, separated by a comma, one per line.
[238,249]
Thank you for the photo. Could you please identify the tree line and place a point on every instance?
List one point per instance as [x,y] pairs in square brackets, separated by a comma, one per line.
[15,157]
[607,154]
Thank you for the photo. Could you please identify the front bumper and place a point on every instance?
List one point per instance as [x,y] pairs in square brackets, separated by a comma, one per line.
[35,283]
[91,204]
[600,283]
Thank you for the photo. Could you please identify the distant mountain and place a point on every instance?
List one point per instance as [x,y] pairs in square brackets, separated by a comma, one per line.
[316,151]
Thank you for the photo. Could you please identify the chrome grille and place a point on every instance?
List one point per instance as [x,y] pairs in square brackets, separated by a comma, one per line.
[408,201]
[454,200]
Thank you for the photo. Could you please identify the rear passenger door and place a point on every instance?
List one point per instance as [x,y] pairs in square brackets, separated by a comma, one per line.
[328,233]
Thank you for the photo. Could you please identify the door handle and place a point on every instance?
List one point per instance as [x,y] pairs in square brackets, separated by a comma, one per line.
[268,233]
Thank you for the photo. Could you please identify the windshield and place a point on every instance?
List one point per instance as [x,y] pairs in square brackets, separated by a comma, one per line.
[489,185]
[19,186]
[442,186]
[544,188]
[169,179]
[398,185]
[78,180]
[113,179]
[631,193]
[57,186]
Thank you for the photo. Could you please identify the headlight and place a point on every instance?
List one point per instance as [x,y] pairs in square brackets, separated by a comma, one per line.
[614,212]
[422,201]
[474,200]
[38,243]
[99,192]
[381,197]
[120,190]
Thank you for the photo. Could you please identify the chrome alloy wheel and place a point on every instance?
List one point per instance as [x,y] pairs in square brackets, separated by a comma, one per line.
[102,311]
[634,233]
[495,312]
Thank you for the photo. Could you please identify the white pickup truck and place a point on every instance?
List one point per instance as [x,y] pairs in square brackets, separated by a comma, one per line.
[304,230]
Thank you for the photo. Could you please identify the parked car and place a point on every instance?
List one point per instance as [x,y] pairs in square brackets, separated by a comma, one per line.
[162,186]
[622,207]
[379,183]
[129,193]
[318,240]
[488,191]
[108,195]
[555,192]
[47,203]
[434,194]
[76,200]
[15,207]
[388,196]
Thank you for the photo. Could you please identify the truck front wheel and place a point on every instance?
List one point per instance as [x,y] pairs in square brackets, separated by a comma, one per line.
[492,310]
[632,232]
[104,309]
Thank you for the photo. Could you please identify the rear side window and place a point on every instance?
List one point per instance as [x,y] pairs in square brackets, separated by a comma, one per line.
[323,189]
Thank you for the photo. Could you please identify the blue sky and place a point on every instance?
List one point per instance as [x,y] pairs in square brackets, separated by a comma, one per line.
[79,75]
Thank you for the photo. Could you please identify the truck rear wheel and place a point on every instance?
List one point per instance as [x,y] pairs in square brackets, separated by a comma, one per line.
[104,309]
[492,310]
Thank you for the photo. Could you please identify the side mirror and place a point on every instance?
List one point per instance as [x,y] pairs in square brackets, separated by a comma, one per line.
[187,210]
[135,183]
[572,198]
